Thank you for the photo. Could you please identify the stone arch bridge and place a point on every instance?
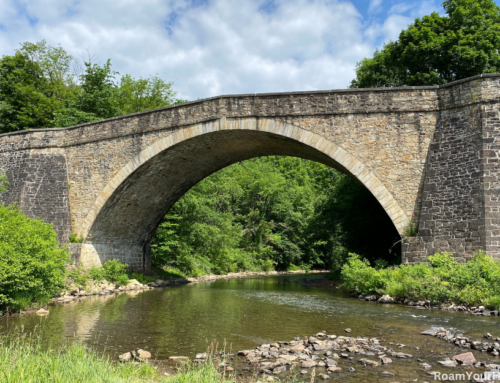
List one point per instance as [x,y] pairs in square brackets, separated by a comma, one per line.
[430,155]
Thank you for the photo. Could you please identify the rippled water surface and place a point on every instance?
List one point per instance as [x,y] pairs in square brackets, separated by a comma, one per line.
[245,313]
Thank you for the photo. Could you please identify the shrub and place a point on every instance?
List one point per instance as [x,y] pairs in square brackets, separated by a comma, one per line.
[73,238]
[359,277]
[32,264]
[114,270]
[440,280]
[292,267]
[411,231]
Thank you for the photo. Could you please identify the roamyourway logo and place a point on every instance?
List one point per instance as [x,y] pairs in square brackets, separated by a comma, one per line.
[490,376]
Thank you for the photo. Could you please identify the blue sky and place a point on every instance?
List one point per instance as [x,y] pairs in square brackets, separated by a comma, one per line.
[212,47]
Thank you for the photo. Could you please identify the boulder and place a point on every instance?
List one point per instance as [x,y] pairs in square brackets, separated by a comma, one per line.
[298,348]
[279,370]
[308,364]
[143,355]
[42,312]
[348,330]
[467,358]
[127,357]
[386,299]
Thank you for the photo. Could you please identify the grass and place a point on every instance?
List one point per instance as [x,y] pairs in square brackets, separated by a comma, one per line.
[442,279]
[23,359]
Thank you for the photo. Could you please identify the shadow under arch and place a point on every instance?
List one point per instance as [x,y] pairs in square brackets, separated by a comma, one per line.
[124,217]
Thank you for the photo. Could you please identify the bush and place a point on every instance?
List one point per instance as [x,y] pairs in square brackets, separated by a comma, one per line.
[32,264]
[114,271]
[440,280]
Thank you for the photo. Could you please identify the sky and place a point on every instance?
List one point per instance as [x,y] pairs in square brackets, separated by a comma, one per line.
[214,47]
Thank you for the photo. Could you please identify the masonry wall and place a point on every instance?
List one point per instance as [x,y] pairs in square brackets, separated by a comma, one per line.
[460,204]
[38,183]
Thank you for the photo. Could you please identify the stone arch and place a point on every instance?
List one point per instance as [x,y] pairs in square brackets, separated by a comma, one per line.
[213,145]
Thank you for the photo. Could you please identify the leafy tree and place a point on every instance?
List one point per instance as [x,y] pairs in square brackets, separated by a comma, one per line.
[96,98]
[272,212]
[438,49]
[34,83]
[144,94]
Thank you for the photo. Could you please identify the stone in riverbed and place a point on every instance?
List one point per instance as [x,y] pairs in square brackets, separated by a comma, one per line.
[297,348]
[308,364]
[127,357]
[202,355]
[348,330]
[334,369]
[386,299]
[324,376]
[448,363]
[142,355]
[42,312]
[429,332]
[279,370]
[386,360]
[178,358]
[467,358]
[386,373]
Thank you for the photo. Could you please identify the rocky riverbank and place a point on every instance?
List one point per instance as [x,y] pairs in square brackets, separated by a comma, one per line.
[478,310]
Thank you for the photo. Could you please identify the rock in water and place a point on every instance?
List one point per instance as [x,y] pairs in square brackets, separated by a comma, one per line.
[348,330]
[279,370]
[448,363]
[386,299]
[143,355]
[127,357]
[42,312]
[467,358]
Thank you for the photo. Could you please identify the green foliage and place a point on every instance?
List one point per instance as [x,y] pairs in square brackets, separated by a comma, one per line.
[112,271]
[4,183]
[440,280]
[32,265]
[39,89]
[411,231]
[271,212]
[438,49]
[34,83]
[73,238]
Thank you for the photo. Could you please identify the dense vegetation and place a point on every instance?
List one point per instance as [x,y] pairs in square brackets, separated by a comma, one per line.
[45,87]
[272,212]
[438,49]
[440,280]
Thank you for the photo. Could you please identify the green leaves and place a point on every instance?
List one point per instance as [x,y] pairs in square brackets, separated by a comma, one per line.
[438,49]
[40,87]
[32,265]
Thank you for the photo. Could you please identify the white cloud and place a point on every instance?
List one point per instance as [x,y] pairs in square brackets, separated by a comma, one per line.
[208,47]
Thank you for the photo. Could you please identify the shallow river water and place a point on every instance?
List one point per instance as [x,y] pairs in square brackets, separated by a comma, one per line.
[248,312]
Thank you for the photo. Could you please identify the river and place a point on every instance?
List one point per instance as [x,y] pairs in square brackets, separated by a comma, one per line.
[245,313]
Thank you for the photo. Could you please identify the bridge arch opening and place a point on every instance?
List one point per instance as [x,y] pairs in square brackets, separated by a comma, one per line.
[124,218]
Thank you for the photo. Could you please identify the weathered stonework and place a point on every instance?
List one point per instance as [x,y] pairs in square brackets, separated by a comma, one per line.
[428,154]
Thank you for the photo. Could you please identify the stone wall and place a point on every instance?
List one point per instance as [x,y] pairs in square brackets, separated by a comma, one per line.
[460,207]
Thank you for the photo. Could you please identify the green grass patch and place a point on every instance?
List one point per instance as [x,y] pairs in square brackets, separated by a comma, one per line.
[442,279]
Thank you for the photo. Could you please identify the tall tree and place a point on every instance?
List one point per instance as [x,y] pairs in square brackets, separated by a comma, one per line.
[34,84]
[438,49]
